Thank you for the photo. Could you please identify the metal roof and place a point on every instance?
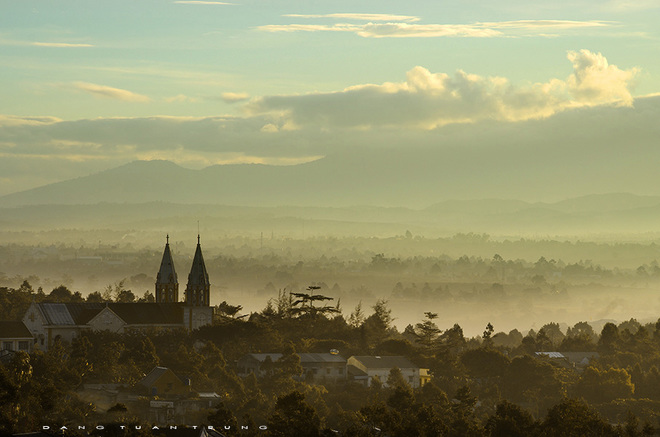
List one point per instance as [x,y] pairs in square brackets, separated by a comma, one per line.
[305,358]
[131,313]
[262,357]
[551,354]
[56,314]
[321,358]
[14,329]
[385,362]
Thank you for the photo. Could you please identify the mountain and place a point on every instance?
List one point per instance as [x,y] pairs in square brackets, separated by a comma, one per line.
[575,153]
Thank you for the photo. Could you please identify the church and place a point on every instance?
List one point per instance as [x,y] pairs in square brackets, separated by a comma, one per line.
[49,321]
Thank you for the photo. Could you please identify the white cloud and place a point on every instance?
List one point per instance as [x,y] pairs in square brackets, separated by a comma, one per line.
[180,98]
[110,92]
[359,17]
[427,100]
[538,28]
[404,30]
[235,97]
[595,81]
[632,5]
[15,120]
[6,42]
[59,44]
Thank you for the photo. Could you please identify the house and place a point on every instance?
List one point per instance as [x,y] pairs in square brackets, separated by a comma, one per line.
[323,368]
[363,369]
[162,382]
[317,367]
[251,363]
[15,336]
[576,360]
[47,321]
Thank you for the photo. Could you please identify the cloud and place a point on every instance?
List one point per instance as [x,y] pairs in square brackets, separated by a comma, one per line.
[428,100]
[200,2]
[235,97]
[111,93]
[59,44]
[594,81]
[15,120]
[295,128]
[180,98]
[632,5]
[5,42]
[360,17]
[476,30]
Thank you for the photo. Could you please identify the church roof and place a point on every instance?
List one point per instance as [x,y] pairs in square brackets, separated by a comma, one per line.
[167,274]
[198,274]
[14,329]
[131,313]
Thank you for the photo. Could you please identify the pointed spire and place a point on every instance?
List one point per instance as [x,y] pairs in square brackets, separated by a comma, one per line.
[167,283]
[198,288]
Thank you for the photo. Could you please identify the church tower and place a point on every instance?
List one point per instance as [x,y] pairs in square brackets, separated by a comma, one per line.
[198,290]
[167,284]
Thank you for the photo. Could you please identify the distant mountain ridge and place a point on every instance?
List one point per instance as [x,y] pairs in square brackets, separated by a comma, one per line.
[603,214]
[575,153]
[309,184]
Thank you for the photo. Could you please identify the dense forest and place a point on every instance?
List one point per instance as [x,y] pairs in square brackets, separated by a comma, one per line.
[494,384]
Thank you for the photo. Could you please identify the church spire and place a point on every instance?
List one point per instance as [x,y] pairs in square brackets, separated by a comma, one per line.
[199,287]
[167,284]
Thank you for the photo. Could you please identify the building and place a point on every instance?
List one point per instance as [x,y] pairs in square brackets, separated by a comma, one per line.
[575,360]
[47,321]
[317,368]
[15,336]
[162,382]
[364,369]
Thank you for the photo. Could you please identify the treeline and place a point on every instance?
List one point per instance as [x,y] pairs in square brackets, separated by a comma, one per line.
[284,260]
[492,385]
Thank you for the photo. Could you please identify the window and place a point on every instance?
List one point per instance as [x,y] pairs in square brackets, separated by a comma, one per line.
[23,345]
[328,370]
[7,345]
[410,379]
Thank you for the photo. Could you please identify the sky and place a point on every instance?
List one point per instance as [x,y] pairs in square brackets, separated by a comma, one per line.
[90,85]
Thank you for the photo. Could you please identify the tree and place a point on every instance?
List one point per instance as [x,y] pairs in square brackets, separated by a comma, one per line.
[510,420]
[484,363]
[377,326]
[598,386]
[427,331]
[395,378]
[125,296]
[228,310]
[292,416]
[306,302]
[574,418]
[553,332]
[357,316]
[488,332]
[223,416]
[95,296]
[609,339]
[60,294]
